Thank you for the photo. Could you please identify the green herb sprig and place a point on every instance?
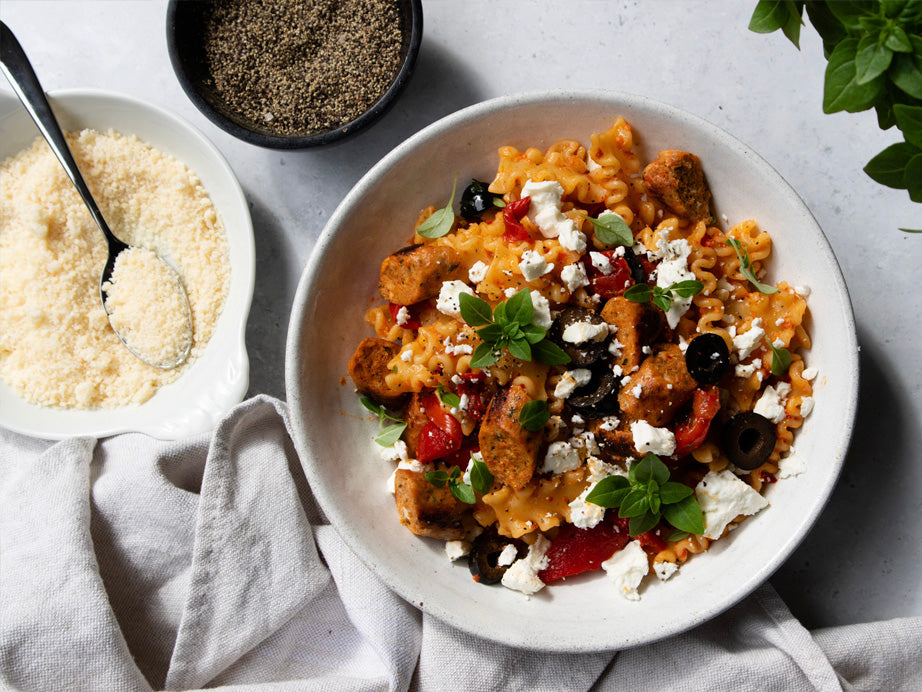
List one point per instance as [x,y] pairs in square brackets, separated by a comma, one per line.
[647,495]
[611,229]
[746,267]
[663,297]
[450,399]
[534,415]
[781,360]
[391,427]
[481,481]
[441,221]
[874,60]
[509,326]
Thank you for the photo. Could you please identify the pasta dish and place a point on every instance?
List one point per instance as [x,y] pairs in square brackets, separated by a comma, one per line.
[583,369]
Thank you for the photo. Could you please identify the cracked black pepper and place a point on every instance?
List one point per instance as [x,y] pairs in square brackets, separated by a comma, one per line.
[300,67]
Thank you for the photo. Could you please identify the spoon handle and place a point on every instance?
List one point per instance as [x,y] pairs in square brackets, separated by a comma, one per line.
[18,70]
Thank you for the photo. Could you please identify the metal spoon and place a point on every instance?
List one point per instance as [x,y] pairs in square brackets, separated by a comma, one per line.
[18,70]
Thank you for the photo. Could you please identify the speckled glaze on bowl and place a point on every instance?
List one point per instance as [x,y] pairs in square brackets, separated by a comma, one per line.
[184,29]
[219,378]
[334,436]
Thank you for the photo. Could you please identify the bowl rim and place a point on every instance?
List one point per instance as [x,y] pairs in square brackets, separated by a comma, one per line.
[301,436]
[227,363]
[361,122]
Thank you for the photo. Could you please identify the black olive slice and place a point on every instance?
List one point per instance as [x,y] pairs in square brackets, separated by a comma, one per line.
[587,352]
[635,265]
[485,552]
[707,358]
[749,439]
[475,200]
[599,397]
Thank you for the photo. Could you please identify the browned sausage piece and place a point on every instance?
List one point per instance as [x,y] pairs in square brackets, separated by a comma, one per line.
[416,273]
[676,177]
[639,324]
[617,442]
[658,389]
[368,366]
[415,417]
[425,509]
[508,449]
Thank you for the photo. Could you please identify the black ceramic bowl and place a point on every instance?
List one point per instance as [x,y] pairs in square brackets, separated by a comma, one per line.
[185,28]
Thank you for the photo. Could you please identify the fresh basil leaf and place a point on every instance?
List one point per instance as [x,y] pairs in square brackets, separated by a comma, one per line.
[437,478]
[520,348]
[390,434]
[850,13]
[897,40]
[677,536]
[491,333]
[781,360]
[463,492]
[791,27]
[441,220]
[611,229]
[906,71]
[686,289]
[549,353]
[871,60]
[911,230]
[653,498]
[672,492]
[909,120]
[481,478]
[370,405]
[662,301]
[484,356]
[826,25]
[643,523]
[914,178]
[533,333]
[746,268]
[499,315]
[519,308]
[499,202]
[768,16]
[639,293]
[686,515]
[450,399]
[842,90]
[634,504]
[534,415]
[609,492]
[475,310]
[889,166]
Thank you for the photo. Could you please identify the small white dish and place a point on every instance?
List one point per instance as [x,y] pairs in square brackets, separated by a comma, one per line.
[218,380]
[334,435]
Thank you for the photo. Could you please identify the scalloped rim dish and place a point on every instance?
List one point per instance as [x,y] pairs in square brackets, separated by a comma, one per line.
[218,380]
[334,438]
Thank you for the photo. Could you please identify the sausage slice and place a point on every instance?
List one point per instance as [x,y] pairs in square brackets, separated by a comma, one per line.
[416,273]
[676,177]
[638,324]
[509,450]
[427,510]
[658,389]
[368,366]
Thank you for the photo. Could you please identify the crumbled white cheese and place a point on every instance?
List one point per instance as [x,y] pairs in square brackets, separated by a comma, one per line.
[647,438]
[581,332]
[403,316]
[791,465]
[458,349]
[806,406]
[803,291]
[747,369]
[477,272]
[627,568]
[406,355]
[665,569]
[522,575]
[809,374]
[507,556]
[395,453]
[541,311]
[585,515]
[533,265]
[723,497]
[585,440]
[771,403]
[574,276]
[600,262]
[747,342]
[560,457]
[409,465]
[457,549]
[598,469]
[545,211]
[449,297]
[609,423]
[671,270]
[570,380]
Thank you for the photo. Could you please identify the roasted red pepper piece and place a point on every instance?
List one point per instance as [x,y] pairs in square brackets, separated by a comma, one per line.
[413,321]
[512,214]
[612,284]
[441,434]
[472,385]
[651,541]
[690,434]
[576,550]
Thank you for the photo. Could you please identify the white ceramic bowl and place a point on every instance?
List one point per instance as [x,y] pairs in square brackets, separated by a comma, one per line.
[218,379]
[334,436]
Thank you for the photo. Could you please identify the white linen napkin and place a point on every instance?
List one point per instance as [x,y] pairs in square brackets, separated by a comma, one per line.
[135,564]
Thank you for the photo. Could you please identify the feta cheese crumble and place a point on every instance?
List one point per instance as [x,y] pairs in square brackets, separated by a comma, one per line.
[541,311]
[560,457]
[660,441]
[449,297]
[665,569]
[672,269]
[574,276]
[570,380]
[723,497]
[771,403]
[477,272]
[626,569]
[457,549]
[507,556]
[581,332]
[522,575]
[533,265]
[585,515]
[747,342]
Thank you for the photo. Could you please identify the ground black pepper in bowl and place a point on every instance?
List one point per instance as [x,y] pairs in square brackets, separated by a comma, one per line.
[292,73]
